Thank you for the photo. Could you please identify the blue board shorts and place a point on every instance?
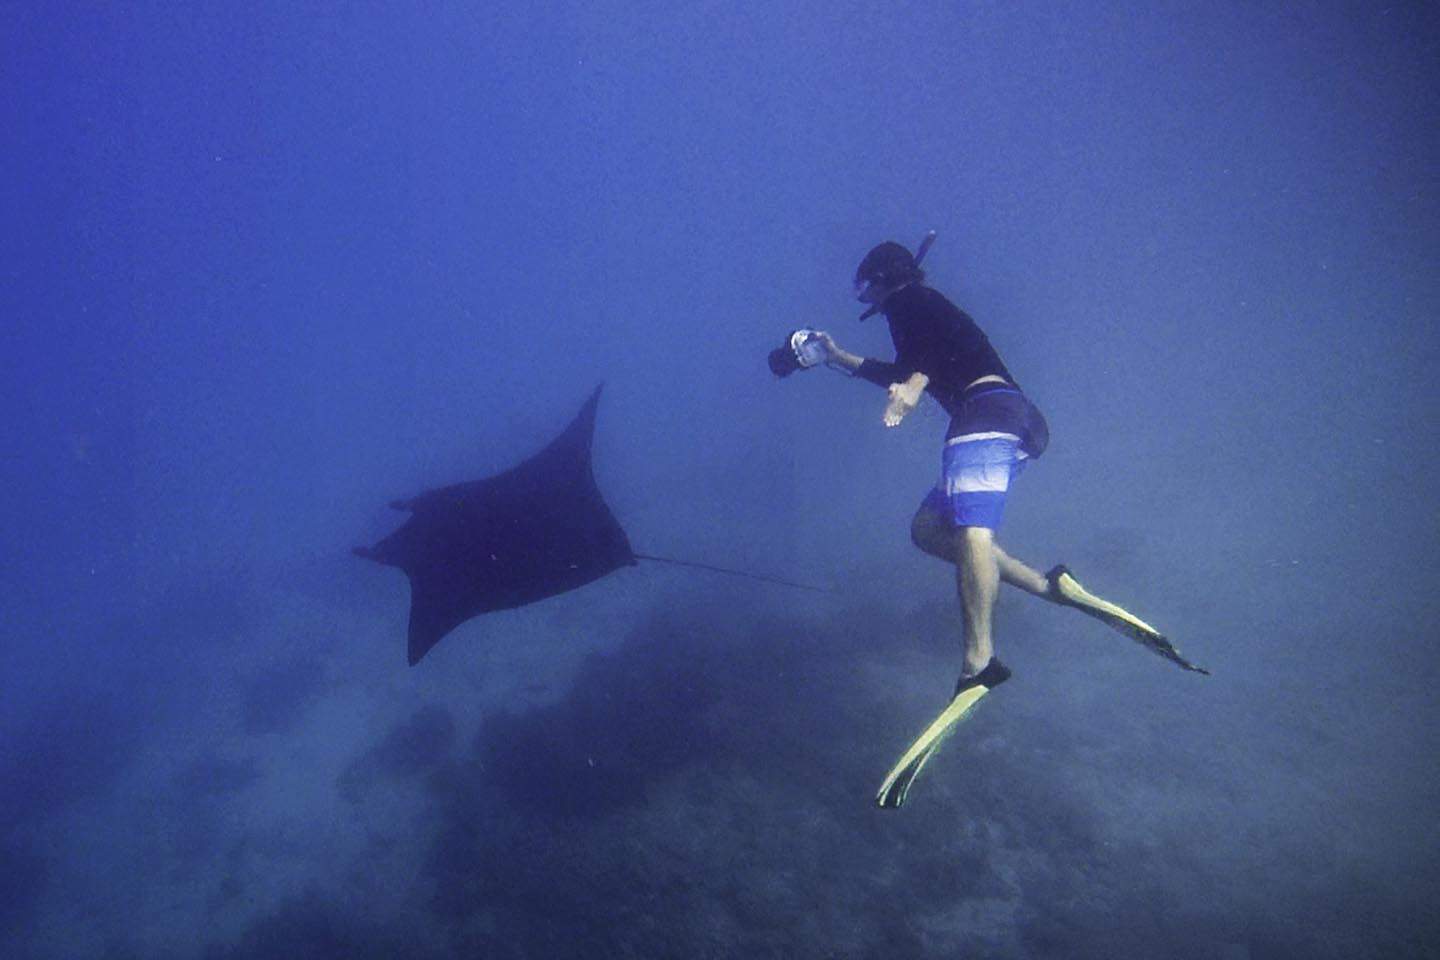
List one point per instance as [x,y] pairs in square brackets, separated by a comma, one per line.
[991,437]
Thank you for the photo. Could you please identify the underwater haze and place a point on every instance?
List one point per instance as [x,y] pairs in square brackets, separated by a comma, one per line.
[267,267]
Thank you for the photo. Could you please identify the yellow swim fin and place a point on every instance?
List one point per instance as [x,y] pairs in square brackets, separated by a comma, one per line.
[1066,590]
[968,694]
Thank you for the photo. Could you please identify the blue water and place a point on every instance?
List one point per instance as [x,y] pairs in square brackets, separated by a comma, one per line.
[268,267]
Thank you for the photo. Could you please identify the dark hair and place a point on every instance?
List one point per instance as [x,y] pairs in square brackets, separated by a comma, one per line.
[888,265]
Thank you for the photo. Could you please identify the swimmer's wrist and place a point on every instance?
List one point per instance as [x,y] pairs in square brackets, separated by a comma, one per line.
[844,361]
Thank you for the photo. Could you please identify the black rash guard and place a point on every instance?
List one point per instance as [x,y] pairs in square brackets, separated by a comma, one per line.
[934,337]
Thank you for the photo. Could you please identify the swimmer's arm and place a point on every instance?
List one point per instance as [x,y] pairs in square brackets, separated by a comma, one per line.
[904,385]
[878,372]
[838,358]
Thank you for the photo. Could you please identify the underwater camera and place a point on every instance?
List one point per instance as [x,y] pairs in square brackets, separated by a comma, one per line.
[802,350]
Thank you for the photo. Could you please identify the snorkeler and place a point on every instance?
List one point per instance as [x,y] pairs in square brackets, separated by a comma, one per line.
[994,431]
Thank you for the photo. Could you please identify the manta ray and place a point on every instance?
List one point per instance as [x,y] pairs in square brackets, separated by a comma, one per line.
[539,529]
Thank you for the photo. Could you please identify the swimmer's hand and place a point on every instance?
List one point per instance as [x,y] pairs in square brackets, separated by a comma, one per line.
[904,397]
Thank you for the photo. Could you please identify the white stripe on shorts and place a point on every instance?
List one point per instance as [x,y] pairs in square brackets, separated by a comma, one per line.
[981,479]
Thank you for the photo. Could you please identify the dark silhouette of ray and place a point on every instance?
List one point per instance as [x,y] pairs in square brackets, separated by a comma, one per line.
[538,529]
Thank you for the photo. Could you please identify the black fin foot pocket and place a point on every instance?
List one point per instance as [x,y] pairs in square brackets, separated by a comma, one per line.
[1053,592]
[994,674]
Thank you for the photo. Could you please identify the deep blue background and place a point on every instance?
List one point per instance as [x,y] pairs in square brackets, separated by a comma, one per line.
[268,266]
